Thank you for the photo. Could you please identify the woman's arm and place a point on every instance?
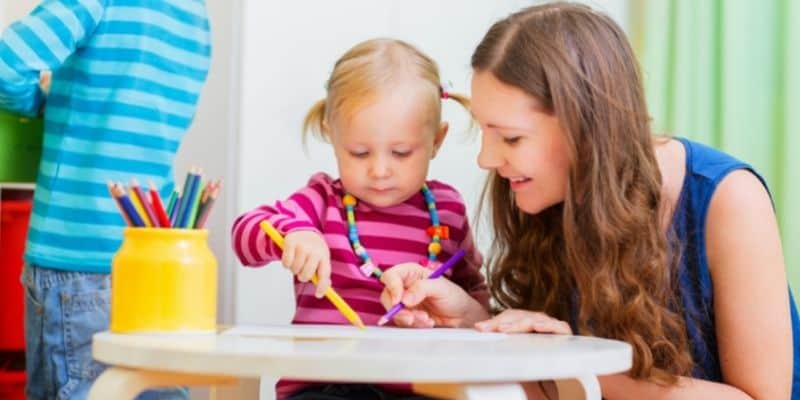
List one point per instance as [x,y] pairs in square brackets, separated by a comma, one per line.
[751,303]
[621,386]
[751,295]
[429,302]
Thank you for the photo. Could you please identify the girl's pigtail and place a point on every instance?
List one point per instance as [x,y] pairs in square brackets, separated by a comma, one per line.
[460,99]
[313,123]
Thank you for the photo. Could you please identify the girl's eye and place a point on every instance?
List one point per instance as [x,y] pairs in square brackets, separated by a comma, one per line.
[362,154]
[511,140]
[401,154]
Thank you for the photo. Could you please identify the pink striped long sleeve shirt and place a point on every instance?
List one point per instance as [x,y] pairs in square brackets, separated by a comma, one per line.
[391,235]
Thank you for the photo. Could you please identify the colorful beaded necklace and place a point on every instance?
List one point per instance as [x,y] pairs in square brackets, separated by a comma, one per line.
[435,231]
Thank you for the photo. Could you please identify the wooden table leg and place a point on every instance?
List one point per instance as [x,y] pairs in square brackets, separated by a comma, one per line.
[471,391]
[583,387]
[125,383]
[245,389]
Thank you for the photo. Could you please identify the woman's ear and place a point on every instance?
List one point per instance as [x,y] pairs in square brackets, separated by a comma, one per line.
[441,133]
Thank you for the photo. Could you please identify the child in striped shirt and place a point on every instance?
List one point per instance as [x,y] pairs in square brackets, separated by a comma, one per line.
[382,115]
[126,78]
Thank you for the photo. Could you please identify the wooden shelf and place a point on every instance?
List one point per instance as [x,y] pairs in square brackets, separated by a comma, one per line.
[17,185]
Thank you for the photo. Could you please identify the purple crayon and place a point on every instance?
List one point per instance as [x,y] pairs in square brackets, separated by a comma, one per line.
[435,274]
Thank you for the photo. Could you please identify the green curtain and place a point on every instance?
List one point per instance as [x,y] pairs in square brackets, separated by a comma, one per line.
[727,73]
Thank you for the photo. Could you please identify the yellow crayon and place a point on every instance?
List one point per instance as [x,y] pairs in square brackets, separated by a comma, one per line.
[331,294]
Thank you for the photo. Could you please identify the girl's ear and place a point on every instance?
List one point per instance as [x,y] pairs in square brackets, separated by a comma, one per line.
[325,130]
[441,133]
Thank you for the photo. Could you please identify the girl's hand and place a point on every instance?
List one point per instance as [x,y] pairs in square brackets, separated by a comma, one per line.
[523,321]
[429,302]
[305,253]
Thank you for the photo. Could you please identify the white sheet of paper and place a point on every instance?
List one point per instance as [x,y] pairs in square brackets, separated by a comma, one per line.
[352,332]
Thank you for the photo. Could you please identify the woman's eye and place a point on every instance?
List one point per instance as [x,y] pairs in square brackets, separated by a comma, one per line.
[511,140]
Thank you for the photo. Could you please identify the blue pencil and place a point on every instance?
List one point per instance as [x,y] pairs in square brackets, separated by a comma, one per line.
[184,213]
[182,201]
[136,219]
[435,274]
[118,193]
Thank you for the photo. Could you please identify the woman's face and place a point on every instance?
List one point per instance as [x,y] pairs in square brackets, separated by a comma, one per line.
[521,142]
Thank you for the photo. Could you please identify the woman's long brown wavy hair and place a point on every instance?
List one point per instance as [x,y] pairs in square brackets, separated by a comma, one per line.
[601,259]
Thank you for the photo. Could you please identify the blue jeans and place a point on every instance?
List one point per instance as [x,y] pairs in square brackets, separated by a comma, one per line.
[63,310]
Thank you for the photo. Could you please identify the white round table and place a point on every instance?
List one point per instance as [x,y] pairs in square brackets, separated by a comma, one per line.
[450,368]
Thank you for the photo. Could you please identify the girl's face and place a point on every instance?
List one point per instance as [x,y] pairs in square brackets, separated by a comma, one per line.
[521,142]
[384,150]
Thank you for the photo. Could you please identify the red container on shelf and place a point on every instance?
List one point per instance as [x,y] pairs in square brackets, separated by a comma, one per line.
[14,217]
[12,375]
[12,385]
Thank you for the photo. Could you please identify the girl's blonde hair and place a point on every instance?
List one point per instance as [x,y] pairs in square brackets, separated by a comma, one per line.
[368,68]
[601,259]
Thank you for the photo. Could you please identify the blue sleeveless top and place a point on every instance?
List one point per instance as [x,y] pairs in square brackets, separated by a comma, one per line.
[705,169]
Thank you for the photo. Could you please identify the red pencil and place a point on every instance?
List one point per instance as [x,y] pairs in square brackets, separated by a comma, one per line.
[158,207]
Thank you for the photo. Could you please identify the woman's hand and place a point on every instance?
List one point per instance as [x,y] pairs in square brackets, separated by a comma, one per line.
[428,302]
[305,253]
[523,321]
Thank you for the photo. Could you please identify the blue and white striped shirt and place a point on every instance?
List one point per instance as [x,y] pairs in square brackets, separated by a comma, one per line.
[127,75]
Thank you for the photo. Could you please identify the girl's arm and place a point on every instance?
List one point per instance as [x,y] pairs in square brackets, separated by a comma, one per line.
[301,211]
[41,42]
[751,303]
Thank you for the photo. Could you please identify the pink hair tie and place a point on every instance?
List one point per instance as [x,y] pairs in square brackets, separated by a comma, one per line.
[443,93]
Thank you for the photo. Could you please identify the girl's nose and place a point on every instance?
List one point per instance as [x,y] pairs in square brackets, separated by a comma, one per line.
[379,167]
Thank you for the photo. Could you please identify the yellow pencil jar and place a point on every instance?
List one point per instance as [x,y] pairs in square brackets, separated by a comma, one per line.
[164,280]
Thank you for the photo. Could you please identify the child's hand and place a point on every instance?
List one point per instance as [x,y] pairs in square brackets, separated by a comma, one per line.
[401,277]
[429,302]
[44,81]
[305,253]
[524,321]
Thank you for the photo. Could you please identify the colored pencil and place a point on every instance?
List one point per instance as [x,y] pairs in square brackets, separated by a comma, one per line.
[195,204]
[435,274]
[127,205]
[148,208]
[185,200]
[119,204]
[158,207]
[139,208]
[331,294]
[205,209]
